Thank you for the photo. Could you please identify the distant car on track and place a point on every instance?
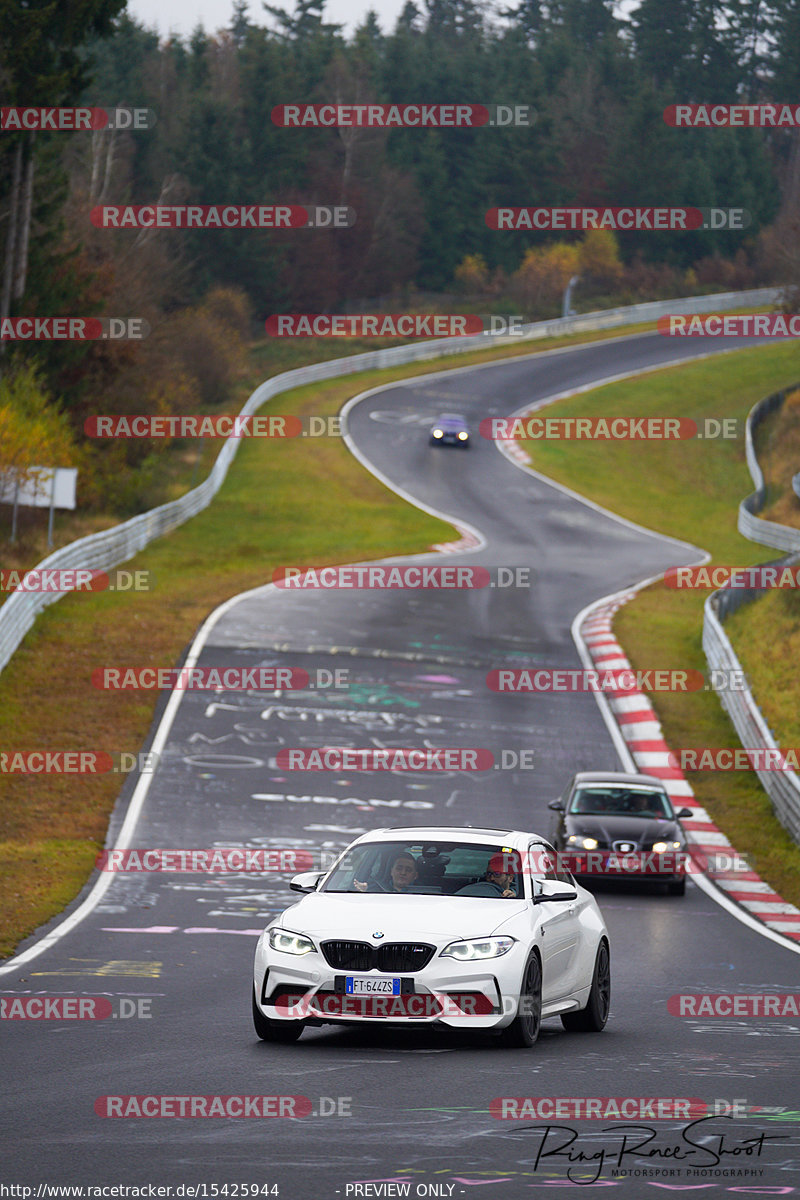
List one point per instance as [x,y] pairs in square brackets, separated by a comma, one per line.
[621,826]
[450,429]
[475,929]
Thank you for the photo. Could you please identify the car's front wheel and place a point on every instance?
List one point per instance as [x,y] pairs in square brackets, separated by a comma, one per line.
[524,1029]
[275,1031]
[593,1018]
[678,888]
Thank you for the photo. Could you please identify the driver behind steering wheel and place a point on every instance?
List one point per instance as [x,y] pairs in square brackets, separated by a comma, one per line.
[403,873]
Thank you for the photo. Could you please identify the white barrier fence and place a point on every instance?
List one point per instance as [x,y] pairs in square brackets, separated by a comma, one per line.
[768,533]
[782,787]
[102,551]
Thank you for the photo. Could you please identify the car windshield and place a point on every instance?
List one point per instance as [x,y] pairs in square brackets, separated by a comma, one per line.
[435,868]
[621,801]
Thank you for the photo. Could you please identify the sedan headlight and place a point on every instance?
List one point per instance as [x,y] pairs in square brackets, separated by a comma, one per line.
[290,943]
[462,437]
[470,951]
[586,843]
[437,433]
[660,847]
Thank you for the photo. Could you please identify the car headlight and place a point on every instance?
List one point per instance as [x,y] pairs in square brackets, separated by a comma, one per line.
[290,943]
[462,437]
[660,847]
[586,843]
[470,951]
[437,433]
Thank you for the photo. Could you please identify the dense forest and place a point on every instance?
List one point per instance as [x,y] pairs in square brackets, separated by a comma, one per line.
[597,80]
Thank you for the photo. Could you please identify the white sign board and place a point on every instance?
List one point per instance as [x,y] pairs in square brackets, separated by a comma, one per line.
[36,488]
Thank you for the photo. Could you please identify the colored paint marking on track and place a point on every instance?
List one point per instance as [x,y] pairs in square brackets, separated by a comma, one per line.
[116,966]
[168,929]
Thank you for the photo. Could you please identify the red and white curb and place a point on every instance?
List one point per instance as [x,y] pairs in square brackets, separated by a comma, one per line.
[641,729]
[513,450]
[467,541]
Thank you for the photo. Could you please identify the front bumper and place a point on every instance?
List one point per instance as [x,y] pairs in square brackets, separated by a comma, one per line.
[478,995]
[449,439]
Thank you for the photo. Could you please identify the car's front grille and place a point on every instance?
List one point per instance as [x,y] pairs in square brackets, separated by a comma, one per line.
[394,956]
[348,956]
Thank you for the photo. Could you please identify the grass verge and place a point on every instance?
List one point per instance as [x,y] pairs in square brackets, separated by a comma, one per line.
[691,490]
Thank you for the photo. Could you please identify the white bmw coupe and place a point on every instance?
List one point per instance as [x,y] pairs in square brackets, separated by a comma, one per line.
[469,928]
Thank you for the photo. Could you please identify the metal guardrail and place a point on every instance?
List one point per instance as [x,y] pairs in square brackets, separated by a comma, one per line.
[782,787]
[101,551]
[768,533]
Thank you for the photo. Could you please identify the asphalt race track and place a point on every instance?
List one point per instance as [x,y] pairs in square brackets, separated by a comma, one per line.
[409,1107]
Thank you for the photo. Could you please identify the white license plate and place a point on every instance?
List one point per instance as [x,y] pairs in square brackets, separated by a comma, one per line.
[371,987]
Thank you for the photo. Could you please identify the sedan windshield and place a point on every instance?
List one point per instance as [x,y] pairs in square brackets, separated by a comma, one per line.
[621,802]
[429,868]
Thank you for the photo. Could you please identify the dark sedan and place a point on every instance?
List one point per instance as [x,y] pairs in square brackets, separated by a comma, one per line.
[450,429]
[617,826]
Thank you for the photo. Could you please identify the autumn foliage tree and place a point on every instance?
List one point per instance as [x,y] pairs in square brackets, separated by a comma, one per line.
[33,430]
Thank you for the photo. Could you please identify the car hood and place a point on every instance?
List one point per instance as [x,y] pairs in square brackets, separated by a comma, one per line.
[357,917]
[639,830]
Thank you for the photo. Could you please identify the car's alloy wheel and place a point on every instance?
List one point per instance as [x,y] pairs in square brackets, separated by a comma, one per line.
[275,1031]
[524,1029]
[593,1018]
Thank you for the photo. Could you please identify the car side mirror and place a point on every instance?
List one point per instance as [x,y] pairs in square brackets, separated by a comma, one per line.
[556,805]
[684,812]
[554,889]
[307,882]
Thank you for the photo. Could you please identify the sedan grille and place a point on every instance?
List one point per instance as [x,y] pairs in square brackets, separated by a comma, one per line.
[394,956]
